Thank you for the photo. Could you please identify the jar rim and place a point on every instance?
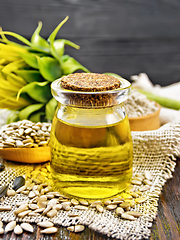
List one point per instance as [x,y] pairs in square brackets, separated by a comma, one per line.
[91,99]
[125,84]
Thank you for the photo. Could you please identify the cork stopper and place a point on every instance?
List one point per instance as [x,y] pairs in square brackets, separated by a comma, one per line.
[90,82]
[90,90]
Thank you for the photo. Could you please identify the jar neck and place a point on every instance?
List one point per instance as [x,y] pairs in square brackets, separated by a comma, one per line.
[87,117]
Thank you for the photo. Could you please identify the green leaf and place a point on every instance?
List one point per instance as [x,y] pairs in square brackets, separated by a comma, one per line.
[36,117]
[26,112]
[59,45]
[50,108]
[114,75]
[49,68]
[56,30]
[71,65]
[39,91]
[30,59]
[17,36]
[30,75]
[39,42]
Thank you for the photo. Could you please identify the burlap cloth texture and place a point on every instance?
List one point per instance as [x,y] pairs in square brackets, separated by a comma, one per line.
[155,151]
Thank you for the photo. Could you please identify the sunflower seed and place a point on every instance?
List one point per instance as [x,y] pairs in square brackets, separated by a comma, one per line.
[21,189]
[147,182]
[53,202]
[52,213]
[83,202]
[23,214]
[119,211]
[22,208]
[107,202]
[74,202]
[33,206]
[57,206]
[95,203]
[78,228]
[18,182]
[18,230]
[3,190]
[1,224]
[1,230]
[136,182]
[111,206]
[47,209]
[49,230]
[5,208]
[99,208]
[70,228]
[134,213]
[39,210]
[27,227]
[141,199]
[125,205]
[45,224]
[80,207]
[144,188]
[10,226]
[127,216]
[42,204]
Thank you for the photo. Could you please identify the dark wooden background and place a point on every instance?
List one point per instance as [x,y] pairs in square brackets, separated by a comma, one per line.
[121,36]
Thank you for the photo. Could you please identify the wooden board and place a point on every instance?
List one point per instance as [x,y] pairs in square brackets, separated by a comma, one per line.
[125,36]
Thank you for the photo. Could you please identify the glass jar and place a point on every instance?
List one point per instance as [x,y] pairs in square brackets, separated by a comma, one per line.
[91,144]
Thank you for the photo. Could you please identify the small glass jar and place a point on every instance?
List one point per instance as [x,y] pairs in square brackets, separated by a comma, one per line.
[91,144]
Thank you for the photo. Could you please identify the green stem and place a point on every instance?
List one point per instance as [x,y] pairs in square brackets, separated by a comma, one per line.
[163,101]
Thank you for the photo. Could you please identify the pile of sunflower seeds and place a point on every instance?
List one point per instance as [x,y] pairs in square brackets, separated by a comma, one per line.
[44,201]
[25,134]
[137,105]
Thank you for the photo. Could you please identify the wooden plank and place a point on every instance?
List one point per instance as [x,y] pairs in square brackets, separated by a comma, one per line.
[126,36]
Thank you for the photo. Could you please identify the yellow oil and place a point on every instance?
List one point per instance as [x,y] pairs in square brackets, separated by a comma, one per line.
[90,161]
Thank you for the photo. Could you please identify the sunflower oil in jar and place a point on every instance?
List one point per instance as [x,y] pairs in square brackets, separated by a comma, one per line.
[91,144]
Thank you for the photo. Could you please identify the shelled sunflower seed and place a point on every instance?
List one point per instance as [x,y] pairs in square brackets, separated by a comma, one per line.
[25,134]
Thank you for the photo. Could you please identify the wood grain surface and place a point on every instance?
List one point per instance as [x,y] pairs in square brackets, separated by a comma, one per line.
[125,36]
[166,226]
